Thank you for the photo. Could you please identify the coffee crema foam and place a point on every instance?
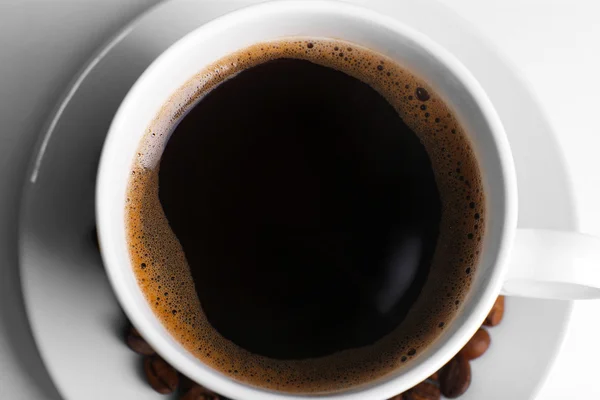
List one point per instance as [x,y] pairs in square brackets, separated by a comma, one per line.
[163,273]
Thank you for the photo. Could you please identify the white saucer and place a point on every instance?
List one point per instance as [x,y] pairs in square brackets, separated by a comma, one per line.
[75,318]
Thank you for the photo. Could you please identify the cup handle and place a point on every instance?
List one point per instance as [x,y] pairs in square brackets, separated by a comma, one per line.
[551,264]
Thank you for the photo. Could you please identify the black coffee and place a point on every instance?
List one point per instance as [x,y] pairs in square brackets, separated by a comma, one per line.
[305,215]
[307,209]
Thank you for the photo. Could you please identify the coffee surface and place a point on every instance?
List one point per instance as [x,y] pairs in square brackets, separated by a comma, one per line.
[307,210]
[305,215]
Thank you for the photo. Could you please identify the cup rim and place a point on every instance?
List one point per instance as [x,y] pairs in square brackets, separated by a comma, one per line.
[384,387]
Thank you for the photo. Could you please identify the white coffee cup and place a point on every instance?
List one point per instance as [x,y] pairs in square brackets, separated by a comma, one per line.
[535,263]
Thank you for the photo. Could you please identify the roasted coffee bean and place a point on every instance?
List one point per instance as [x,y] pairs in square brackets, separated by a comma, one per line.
[455,377]
[435,377]
[161,376]
[423,391]
[188,389]
[496,313]
[478,345]
[186,383]
[199,393]
[137,343]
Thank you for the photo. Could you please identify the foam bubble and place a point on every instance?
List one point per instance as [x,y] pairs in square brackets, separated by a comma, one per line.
[164,276]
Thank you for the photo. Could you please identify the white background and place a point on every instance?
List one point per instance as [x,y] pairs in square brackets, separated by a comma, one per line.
[554,43]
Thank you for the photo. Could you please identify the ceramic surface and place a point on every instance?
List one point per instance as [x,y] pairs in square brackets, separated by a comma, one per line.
[74,316]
